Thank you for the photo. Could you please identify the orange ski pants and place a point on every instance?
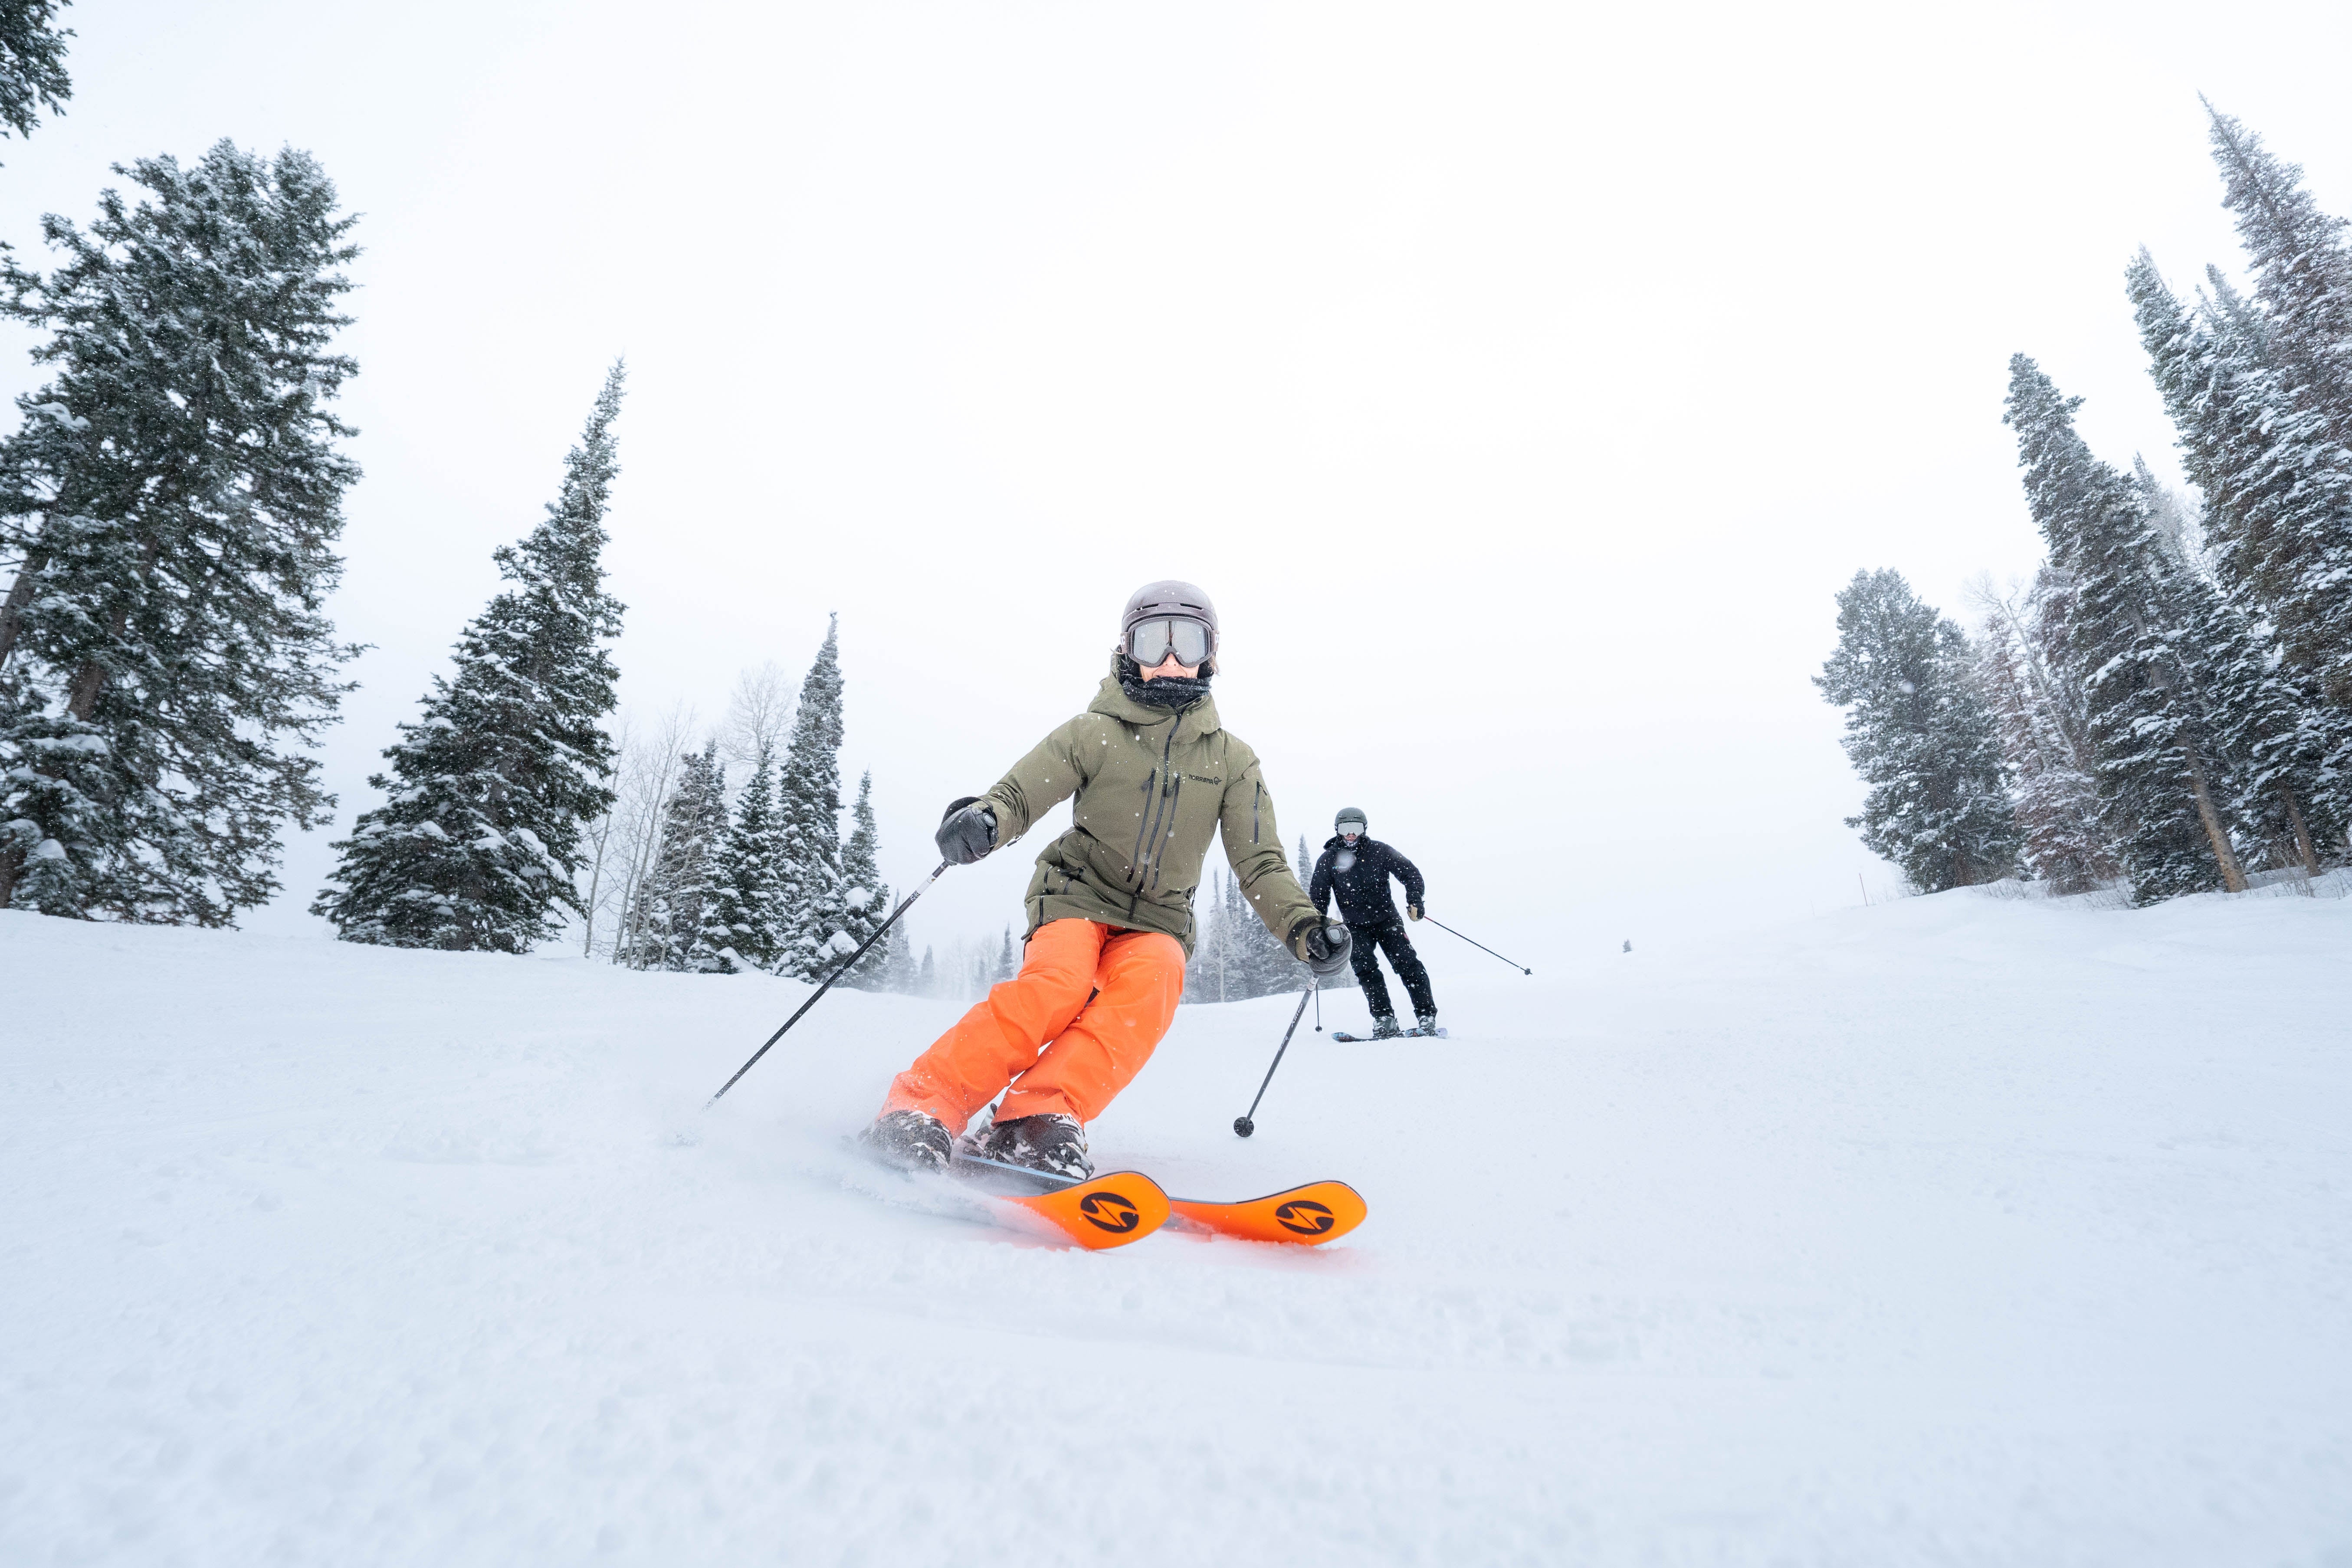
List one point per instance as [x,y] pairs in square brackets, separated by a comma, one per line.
[1094,999]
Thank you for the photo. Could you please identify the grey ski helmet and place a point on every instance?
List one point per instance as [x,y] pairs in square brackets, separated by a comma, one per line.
[1349,813]
[1171,597]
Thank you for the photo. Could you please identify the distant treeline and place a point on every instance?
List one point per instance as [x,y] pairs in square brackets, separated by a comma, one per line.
[2167,706]
[1236,957]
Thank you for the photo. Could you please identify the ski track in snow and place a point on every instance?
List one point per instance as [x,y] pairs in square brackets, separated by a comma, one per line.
[1957,1230]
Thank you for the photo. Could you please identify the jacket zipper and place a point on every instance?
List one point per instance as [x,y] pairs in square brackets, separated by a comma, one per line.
[1256,792]
[1159,856]
[1141,827]
[1159,809]
[1165,752]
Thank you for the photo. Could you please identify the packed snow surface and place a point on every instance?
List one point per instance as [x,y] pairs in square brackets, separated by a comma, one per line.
[1966,1229]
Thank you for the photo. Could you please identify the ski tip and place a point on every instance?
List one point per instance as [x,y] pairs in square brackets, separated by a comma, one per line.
[1108,1211]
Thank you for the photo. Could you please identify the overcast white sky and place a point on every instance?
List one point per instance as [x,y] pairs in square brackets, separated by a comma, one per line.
[1522,381]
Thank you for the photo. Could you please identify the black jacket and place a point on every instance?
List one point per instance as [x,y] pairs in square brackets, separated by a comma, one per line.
[1363,887]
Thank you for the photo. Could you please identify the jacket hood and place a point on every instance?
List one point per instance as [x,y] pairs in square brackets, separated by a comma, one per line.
[1193,722]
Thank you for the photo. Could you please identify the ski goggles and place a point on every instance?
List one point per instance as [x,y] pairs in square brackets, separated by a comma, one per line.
[1150,643]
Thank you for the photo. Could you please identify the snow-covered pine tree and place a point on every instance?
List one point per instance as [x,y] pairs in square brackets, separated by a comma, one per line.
[478,847]
[927,978]
[666,927]
[2137,636]
[2045,736]
[2268,725]
[1267,963]
[2278,490]
[2302,270]
[1232,945]
[171,505]
[810,877]
[1008,962]
[898,968]
[744,918]
[1205,975]
[2177,521]
[1236,957]
[32,63]
[1919,733]
[865,898]
[2303,290]
[698,878]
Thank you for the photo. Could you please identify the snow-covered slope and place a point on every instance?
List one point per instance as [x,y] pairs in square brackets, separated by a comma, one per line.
[1957,1230]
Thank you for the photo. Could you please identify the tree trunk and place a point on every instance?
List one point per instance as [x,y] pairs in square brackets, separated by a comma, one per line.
[2233,878]
[12,610]
[81,695]
[2303,845]
[595,878]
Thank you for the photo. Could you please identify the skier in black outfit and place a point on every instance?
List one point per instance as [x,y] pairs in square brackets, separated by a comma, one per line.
[1357,867]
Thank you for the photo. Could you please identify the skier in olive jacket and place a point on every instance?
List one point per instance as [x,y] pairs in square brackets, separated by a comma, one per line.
[1357,867]
[1110,903]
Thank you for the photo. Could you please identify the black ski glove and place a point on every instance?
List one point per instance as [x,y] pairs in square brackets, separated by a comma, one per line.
[1324,949]
[967,832]
[1413,911]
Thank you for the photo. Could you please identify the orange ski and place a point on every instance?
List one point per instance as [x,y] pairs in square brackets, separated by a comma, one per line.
[1303,1216]
[1109,1211]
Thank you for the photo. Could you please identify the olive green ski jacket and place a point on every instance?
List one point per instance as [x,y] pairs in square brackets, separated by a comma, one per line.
[1153,785]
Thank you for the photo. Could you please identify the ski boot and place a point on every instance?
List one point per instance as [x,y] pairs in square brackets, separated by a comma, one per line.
[1425,1024]
[1054,1143]
[1384,1027]
[908,1140]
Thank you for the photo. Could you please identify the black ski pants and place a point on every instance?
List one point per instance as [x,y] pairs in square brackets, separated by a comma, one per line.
[1388,936]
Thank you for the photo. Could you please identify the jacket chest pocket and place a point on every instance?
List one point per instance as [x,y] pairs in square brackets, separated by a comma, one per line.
[1191,819]
[1197,814]
[1157,828]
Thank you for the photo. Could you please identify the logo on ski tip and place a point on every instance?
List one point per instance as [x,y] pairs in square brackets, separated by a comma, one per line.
[1108,1211]
[1305,1217]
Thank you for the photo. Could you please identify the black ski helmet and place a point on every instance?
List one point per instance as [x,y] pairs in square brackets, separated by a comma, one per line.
[1171,597]
[1349,813]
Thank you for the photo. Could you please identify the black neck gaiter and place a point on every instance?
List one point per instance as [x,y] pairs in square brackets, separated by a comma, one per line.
[1174,692]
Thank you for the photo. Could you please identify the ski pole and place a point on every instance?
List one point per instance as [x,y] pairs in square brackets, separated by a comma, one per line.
[846,965]
[1242,1125]
[1318,1009]
[1481,946]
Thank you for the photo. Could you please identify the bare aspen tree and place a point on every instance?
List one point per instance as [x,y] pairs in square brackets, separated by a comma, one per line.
[759,715]
[599,839]
[646,791]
